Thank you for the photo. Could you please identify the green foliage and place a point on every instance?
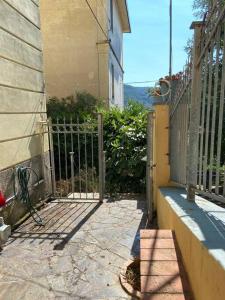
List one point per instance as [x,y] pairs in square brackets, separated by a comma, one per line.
[83,108]
[189,46]
[125,146]
[83,105]
[124,139]
[200,7]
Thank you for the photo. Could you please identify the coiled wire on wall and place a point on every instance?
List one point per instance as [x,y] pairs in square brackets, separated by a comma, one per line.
[23,175]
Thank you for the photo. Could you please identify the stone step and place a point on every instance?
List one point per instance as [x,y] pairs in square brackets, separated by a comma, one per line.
[156,233]
[162,273]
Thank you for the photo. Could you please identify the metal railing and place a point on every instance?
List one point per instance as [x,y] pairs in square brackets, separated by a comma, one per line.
[197,119]
[179,120]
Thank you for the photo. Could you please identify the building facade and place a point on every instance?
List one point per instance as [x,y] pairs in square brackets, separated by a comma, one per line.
[22,102]
[83,47]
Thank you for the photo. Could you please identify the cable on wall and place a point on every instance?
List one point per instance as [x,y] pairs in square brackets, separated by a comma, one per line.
[96,19]
[106,36]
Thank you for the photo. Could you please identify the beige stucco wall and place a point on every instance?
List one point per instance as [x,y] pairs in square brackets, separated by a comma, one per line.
[22,105]
[76,54]
[72,59]
[21,81]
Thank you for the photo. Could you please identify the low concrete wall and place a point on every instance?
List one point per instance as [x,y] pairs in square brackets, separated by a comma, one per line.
[200,232]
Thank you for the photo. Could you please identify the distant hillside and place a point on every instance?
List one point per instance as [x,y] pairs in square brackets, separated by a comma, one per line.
[137,93]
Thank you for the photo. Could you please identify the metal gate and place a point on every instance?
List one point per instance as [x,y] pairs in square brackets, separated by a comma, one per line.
[77,159]
[149,168]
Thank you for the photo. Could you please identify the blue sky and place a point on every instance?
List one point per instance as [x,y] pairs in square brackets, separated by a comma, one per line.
[146,49]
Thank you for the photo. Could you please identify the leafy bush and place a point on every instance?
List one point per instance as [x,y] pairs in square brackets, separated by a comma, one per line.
[125,146]
[124,139]
[82,105]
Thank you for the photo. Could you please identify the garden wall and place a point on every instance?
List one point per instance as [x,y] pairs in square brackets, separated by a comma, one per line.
[199,226]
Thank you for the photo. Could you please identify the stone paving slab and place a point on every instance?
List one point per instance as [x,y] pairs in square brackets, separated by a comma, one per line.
[78,254]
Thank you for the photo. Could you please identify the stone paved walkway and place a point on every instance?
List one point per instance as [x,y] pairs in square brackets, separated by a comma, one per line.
[77,255]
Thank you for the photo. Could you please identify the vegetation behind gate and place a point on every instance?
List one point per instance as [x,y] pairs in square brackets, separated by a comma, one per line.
[124,138]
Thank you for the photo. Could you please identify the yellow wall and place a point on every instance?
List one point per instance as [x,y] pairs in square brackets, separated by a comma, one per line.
[161,171]
[73,61]
[206,275]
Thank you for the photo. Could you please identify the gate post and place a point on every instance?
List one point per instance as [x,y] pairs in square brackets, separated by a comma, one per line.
[161,167]
[100,157]
[52,159]
[43,124]
[149,169]
[192,165]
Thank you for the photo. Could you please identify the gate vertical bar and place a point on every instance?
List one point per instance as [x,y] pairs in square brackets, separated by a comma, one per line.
[78,149]
[51,147]
[104,170]
[86,163]
[100,156]
[59,157]
[149,175]
[92,165]
[65,150]
[194,115]
[72,171]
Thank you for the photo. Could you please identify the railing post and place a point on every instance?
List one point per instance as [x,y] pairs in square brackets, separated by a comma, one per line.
[149,169]
[192,164]
[104,170]
[100,157]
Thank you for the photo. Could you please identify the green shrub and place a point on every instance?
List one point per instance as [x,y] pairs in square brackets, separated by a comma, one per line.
[82,105]
[125,146]
[124,139]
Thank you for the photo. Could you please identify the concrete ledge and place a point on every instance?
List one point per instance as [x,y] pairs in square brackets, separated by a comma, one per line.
[200,232]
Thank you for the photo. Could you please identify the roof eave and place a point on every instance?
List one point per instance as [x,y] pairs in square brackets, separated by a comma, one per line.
[123,9]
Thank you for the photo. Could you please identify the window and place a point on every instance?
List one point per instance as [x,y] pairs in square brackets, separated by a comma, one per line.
[111,15]
[113,82]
